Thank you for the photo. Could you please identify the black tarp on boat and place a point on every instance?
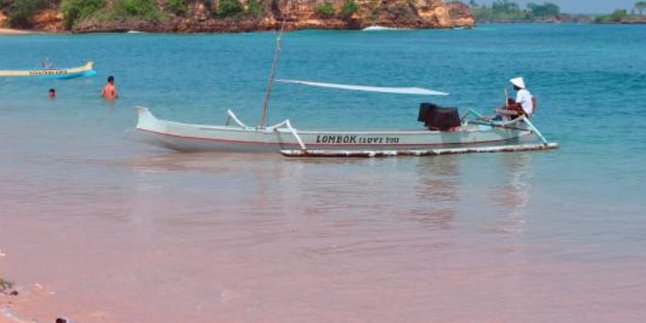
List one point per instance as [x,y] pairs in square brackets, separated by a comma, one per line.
[436,117]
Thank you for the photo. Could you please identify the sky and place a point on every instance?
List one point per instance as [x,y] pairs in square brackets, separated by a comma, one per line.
[581,6]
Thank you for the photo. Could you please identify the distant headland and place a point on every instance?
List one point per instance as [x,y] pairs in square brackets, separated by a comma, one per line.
[509,11]
[84,16]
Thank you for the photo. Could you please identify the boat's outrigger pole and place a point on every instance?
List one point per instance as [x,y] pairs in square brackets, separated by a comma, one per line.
[263,118]
[535,130]
[290,129]
[232,116]
[524,118]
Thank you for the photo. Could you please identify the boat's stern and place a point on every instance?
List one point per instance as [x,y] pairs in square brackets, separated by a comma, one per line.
[86,70]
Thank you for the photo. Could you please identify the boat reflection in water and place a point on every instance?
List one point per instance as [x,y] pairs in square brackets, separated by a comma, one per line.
[436,191]
[513,193]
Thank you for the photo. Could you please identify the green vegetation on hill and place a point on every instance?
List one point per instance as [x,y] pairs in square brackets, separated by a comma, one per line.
[76,11]
[547,9]
[20,12]
[177,7]
[254,9]
[325,10]
[622,15]
[615,17]
[349,8]
[510,11]
[640,6]
[230,9]
[233,15]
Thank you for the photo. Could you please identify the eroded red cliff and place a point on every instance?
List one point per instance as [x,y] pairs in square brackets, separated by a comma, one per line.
[202,16]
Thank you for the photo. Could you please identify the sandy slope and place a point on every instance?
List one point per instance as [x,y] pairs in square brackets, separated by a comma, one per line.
[7,31]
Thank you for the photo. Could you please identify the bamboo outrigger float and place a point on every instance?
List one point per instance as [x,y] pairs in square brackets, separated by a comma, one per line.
[419,153]
[52,73]
[472,133]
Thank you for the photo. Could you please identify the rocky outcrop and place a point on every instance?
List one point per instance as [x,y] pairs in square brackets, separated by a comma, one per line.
[49,20]
[200,16]
[388,13]
[461,14]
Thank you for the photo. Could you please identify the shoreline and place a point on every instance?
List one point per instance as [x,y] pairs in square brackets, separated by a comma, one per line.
[7,32]
[10,31]
[18,303]
[14,32]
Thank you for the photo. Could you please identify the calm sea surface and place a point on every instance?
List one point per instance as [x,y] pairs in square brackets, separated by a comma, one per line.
[116,231]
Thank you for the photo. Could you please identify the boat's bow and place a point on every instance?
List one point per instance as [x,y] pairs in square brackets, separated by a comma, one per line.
[146,121]
[149,129]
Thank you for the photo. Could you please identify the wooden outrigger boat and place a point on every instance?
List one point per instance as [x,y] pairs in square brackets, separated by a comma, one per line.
[475,134]
[470,134]
[53,73]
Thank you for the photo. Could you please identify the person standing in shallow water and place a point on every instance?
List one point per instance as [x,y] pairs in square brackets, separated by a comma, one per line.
[109,91]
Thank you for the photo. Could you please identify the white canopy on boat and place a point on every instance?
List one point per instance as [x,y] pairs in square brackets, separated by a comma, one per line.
[396,90]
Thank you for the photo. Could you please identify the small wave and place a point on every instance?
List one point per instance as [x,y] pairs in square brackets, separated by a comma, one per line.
[382,28]
[135,32]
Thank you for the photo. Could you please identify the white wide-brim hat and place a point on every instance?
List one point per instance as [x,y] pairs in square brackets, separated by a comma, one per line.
[518,81]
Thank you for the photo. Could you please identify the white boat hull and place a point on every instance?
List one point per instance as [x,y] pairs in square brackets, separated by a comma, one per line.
[192,137]
[86,70]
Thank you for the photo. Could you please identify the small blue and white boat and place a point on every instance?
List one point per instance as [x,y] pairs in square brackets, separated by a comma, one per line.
[53,73]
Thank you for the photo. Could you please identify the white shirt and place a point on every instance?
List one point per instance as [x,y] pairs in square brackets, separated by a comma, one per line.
[524,98]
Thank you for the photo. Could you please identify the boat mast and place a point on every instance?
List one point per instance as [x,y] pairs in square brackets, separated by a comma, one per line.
[265,104]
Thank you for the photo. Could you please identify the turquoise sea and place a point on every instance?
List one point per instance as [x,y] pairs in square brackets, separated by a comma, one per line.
[140,234]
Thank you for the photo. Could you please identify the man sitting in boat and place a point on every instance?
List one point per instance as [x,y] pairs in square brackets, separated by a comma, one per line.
[524,103]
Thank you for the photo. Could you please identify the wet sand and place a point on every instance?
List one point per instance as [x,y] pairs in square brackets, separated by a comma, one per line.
[235,238]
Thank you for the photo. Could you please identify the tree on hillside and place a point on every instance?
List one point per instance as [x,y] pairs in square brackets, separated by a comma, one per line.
[615,17]
[349,8]
[548,9]
[499,11]
[76,10]
[20,12]
[178,7]
[324,10]
[504,6]
[229,8]
[640,6]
